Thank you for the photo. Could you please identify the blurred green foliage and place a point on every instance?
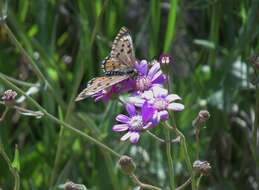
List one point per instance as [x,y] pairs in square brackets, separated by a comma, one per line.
[210,42]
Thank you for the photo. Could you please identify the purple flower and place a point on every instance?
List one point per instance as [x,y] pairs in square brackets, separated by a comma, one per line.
[135,123]
[159,99]
[148,77]
[116,89]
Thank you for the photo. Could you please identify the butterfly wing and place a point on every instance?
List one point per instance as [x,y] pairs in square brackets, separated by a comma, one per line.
[122,57]
[100,83]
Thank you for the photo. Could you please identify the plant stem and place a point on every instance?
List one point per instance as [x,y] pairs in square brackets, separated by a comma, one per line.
[54,119]
[185,150]
[155,137]
[20,82]
[143,185]
[4,114]
[198,181]
[181,187]
[12,169]
[197,142]
[169,158]
[255,141]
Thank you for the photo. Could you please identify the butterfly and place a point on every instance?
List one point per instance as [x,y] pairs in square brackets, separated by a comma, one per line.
[117,67]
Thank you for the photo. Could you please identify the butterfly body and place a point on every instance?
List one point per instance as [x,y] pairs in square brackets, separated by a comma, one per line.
[117,67]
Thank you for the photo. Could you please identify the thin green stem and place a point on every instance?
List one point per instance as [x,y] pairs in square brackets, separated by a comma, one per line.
[12,169]
[186,154]
[185,184]
[19,82]
[4,114]
[155,137]
[169,159]
[198,181]
[255,142]
[54,119]
[197,142]
[143,185]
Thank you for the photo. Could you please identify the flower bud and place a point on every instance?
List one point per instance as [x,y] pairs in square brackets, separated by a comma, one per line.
[165,59]
[72,186]
[127,164]
[202,167]
[9,97]
[201,119]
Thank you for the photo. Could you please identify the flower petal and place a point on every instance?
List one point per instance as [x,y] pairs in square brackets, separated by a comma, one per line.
[126,136]
[142,67]
[173,97]
[137,101]
[159,77]
[148,95]
[163,115]
[131,109]
[155,119]
[158,91]
[147,112]
[120,127]
[175,106]
[122,118]
[148,125]
[153,70]
[134,137]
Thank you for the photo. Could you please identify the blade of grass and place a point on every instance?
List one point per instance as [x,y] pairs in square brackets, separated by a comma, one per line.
[214,30]
[171,20]
[155,26]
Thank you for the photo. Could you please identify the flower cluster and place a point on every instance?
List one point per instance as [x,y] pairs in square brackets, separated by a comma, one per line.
[149,102]
[9,95]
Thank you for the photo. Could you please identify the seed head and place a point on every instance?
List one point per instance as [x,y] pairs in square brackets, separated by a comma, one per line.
[202,167]
[72,186]
[127,165]
[201,118]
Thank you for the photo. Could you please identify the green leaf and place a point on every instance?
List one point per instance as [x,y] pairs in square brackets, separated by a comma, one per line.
[171,22]
[204,43]
[16,160]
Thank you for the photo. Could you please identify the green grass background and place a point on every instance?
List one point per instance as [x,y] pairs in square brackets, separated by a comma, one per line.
[210,42]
